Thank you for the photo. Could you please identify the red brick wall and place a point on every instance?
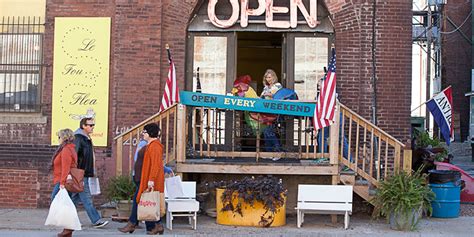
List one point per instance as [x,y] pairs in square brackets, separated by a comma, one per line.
[456,60]
[18,188]
[140,29]
[353,25]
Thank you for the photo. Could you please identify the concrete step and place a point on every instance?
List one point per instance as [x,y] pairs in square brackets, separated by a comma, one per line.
[460,149]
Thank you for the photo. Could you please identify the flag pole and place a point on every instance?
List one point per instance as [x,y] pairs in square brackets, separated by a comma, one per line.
[429,99]
[167,46]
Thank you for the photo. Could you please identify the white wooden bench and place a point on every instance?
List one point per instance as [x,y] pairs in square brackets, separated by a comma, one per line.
[324,199]
[183,206]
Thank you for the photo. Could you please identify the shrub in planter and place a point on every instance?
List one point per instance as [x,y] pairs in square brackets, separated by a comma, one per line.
[402,198]
[264,192]
[120,189]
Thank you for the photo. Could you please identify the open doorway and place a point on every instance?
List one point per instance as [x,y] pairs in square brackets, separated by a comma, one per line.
[257,52]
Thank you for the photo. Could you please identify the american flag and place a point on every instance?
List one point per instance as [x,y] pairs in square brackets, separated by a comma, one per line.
[171,94]
[324,112]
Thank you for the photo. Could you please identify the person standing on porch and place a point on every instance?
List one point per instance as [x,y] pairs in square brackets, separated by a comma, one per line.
[85,156]
[271,86]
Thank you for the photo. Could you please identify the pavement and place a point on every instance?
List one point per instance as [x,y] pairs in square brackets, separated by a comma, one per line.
[30,222]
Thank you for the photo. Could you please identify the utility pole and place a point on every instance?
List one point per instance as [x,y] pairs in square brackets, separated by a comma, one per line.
[428,65]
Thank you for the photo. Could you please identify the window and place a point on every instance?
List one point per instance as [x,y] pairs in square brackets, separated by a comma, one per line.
[21,49]
[21,55]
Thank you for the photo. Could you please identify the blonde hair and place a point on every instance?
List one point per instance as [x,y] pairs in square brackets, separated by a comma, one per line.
[274,77]
[66,135]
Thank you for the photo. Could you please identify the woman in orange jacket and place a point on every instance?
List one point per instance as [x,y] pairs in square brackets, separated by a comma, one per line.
[153,175]
[64,159]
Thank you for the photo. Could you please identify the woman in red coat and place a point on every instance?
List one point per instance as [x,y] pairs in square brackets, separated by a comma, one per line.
[153,175]
[64,159]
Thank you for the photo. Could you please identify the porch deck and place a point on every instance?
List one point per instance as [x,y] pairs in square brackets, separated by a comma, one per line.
[215,141]
[239,165]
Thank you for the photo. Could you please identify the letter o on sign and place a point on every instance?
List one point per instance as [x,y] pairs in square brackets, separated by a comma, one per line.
[211,13]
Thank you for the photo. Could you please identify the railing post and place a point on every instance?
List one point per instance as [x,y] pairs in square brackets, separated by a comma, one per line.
[407,160]
[334,138]
[397,158]
[118,159]
[181,134]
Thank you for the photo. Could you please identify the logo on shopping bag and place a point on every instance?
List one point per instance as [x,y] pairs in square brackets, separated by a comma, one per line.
[147,203]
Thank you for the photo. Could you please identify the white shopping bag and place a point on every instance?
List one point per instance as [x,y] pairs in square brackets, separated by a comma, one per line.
[94,185]
[63,213]
[174,187]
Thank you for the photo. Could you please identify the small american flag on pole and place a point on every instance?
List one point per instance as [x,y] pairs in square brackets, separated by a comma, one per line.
[171,94]
[324,112]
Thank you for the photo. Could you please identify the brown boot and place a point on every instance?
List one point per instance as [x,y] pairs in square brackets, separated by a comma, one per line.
[157,230]
[66,233]
[130,227]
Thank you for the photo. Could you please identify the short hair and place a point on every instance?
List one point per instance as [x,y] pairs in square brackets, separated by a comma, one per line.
[66,134]
[84,121]
[273,74]
[152,129]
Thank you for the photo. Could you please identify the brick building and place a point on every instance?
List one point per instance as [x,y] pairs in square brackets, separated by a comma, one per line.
[457,62]
[138,68]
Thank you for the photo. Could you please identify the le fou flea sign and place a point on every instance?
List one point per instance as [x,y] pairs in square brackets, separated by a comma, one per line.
[267,7]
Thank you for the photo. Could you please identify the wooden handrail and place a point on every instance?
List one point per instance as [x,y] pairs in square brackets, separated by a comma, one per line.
[374,157]
[144,122]
[371,124]
[167,120]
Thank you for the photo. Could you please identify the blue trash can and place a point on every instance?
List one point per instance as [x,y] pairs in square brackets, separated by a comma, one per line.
[446,185]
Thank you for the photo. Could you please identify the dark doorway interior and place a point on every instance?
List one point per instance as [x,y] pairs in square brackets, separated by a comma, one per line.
[257,52]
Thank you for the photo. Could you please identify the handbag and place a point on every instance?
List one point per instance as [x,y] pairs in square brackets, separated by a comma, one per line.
[149,206]
[75,180]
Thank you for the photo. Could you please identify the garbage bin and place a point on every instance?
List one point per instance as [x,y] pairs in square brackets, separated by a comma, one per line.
[446,185]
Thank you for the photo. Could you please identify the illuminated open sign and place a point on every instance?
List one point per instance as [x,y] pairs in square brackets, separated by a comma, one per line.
[267,7]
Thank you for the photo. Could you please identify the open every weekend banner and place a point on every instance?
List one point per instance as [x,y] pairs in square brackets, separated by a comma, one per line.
[81,75]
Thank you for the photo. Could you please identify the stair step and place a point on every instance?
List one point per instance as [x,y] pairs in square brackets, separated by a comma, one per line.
[347,172]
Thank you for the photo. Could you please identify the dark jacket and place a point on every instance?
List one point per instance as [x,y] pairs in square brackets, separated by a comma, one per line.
[85,153]
[139,164]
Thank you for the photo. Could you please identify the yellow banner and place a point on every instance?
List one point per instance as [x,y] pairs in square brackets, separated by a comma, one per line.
[81,75]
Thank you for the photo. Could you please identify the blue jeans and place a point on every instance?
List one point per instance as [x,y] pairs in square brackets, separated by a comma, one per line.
[345,145]
[86,198]
[271,141]
[134,215]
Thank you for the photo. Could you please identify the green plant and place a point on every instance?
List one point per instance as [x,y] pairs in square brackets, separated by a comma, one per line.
[267,190]
[423,140]
[120,188]
[403,194]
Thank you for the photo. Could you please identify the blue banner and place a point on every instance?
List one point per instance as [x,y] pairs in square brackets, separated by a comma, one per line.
[247,104]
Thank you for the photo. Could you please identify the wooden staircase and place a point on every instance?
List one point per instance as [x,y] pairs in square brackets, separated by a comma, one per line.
[368,153]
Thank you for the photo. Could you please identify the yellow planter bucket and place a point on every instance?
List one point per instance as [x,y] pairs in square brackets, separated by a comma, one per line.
[251,216]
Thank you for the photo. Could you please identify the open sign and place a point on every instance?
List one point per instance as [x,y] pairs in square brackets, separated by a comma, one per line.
[267,7]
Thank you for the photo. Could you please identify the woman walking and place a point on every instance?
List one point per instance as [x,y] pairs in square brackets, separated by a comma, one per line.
[149,174]
[64,159]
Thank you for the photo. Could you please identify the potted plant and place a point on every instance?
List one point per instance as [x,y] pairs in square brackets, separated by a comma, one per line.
[427,150]
[120,189]
[251,201]
[402,198]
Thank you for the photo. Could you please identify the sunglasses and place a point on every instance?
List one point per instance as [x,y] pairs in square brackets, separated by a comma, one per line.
[90,125]
[144,131]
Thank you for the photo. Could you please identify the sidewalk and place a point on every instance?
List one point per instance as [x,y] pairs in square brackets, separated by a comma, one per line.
[30,222]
